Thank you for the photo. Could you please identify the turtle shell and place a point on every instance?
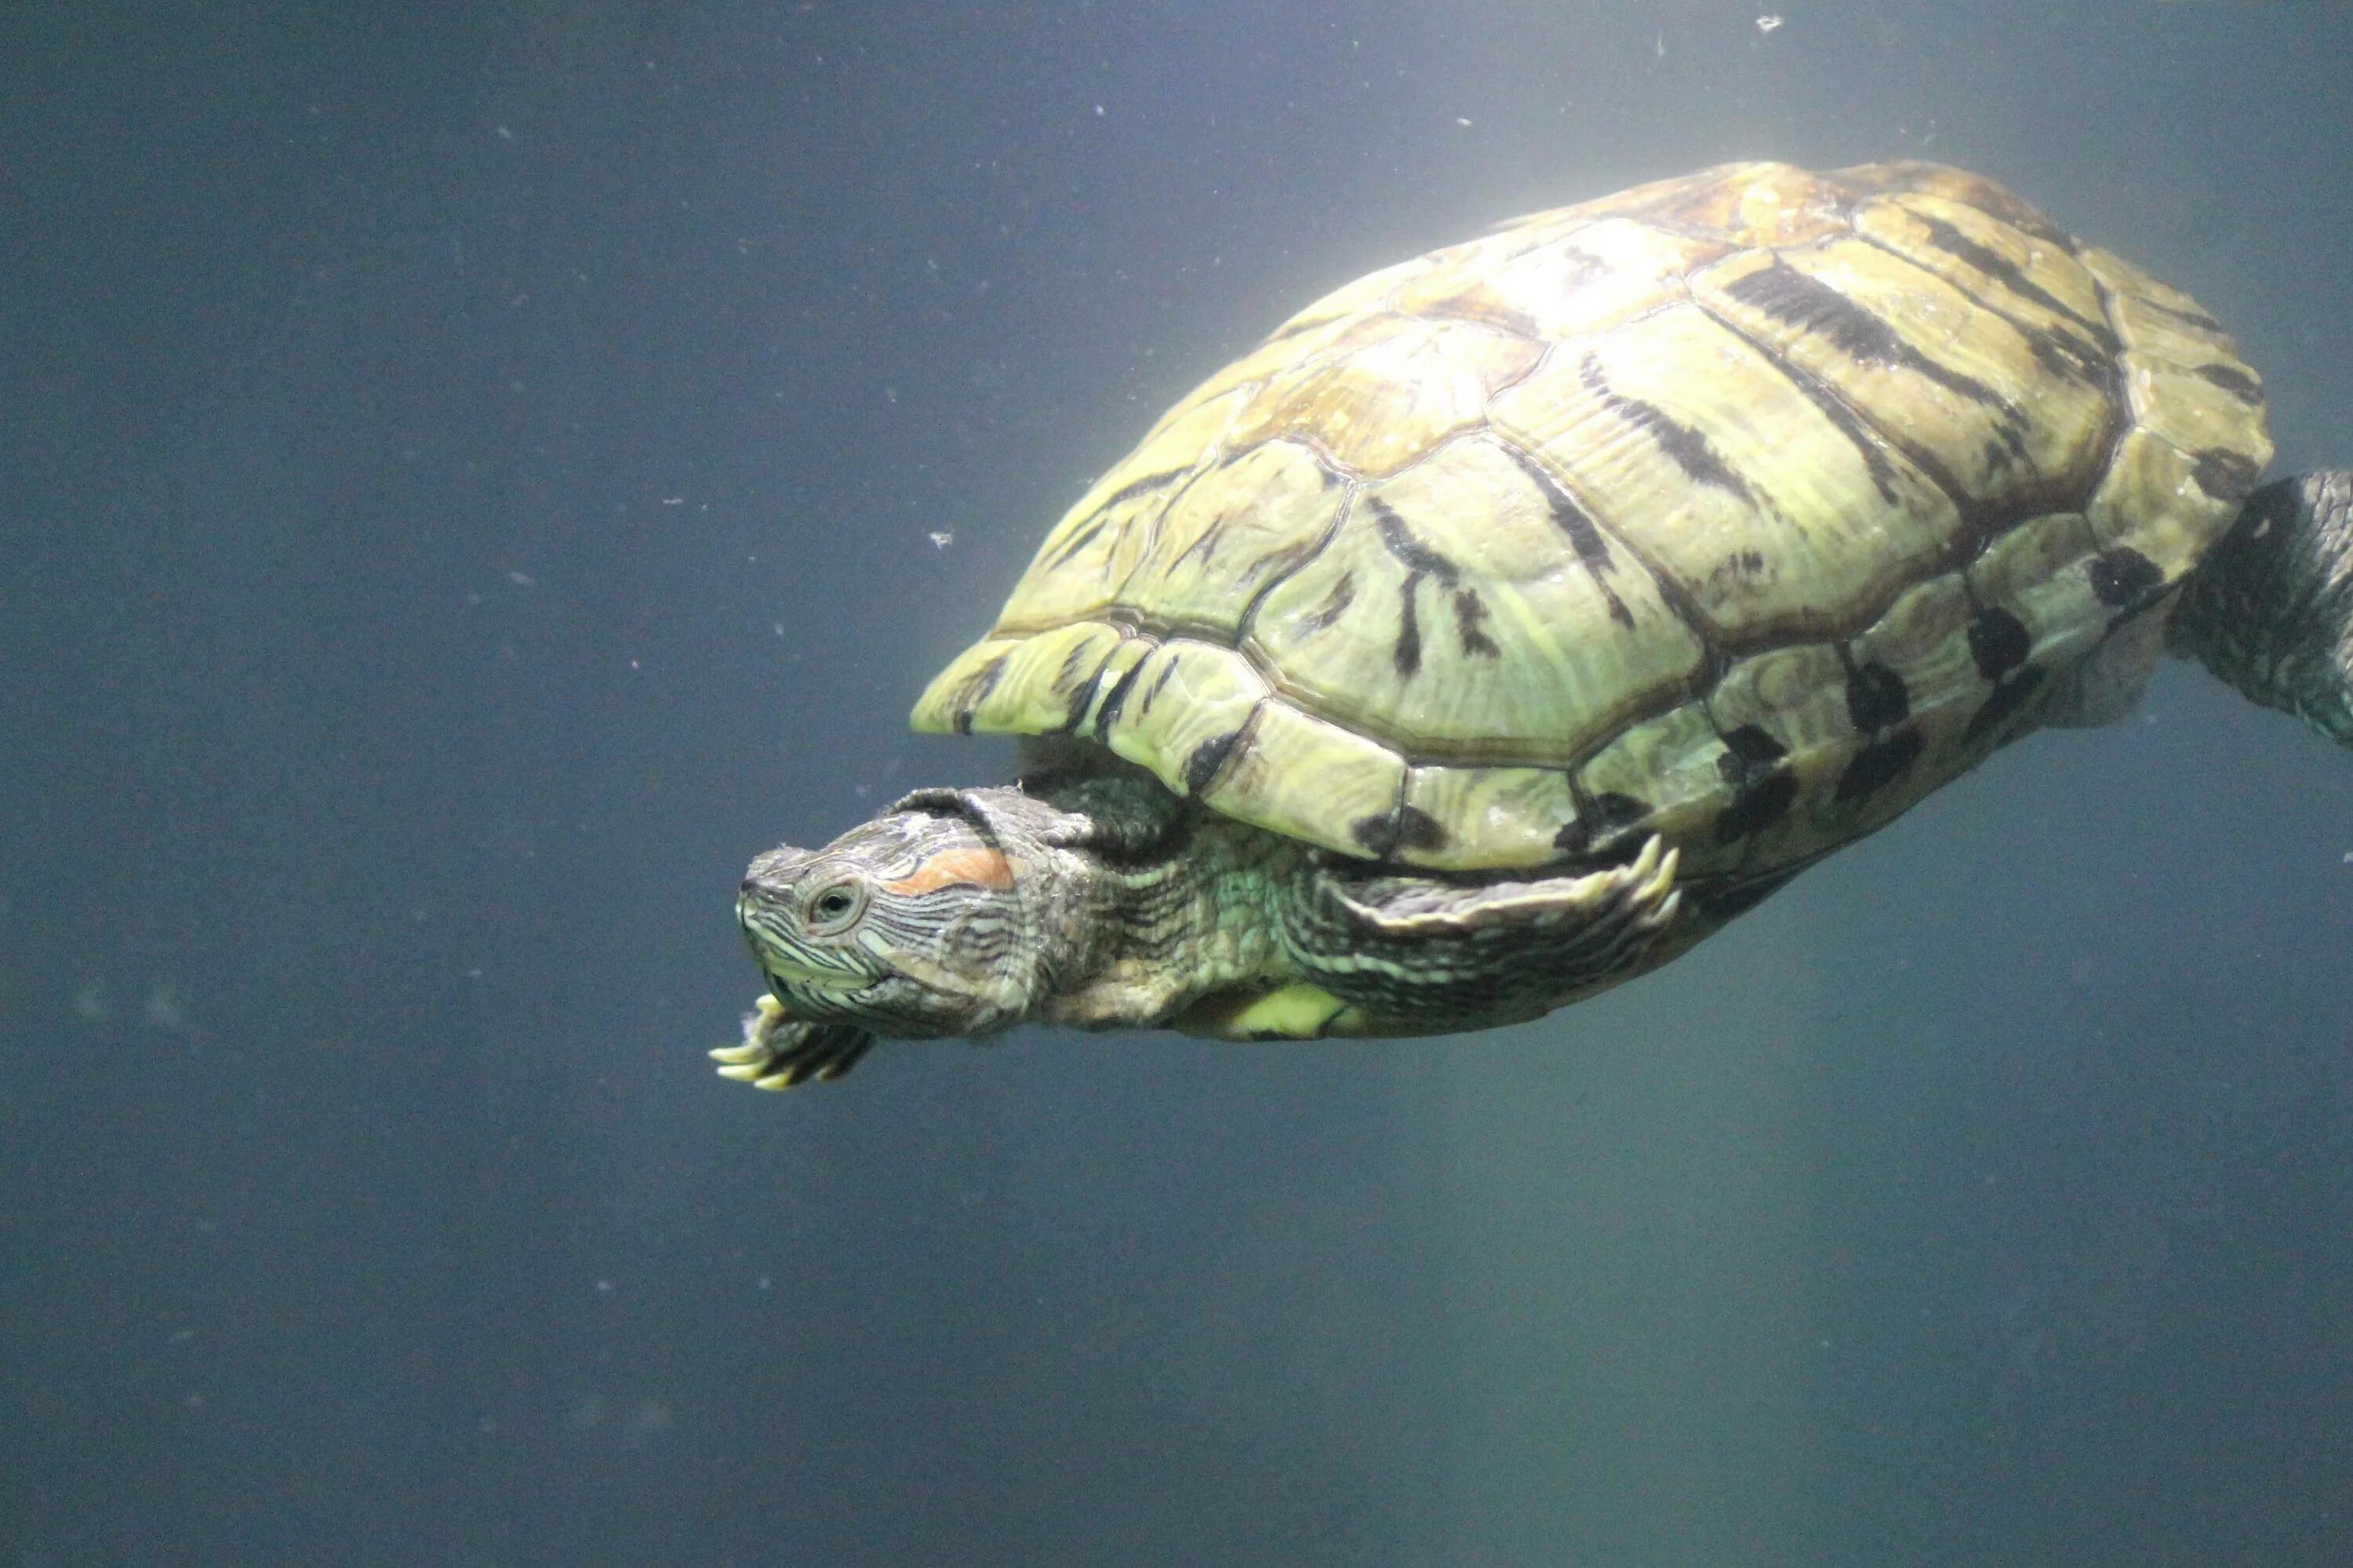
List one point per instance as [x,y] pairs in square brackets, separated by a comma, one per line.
[1745,508]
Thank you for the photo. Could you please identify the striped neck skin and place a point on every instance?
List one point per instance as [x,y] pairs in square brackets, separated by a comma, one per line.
[2271,607]
[1200,914]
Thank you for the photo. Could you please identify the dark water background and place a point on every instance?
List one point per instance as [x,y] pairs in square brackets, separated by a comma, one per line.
[465,484]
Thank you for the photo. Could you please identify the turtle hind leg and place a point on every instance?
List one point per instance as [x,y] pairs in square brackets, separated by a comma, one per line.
[1426,955]
[2271,607]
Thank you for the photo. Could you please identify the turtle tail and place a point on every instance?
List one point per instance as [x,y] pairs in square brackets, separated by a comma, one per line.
[2271,609]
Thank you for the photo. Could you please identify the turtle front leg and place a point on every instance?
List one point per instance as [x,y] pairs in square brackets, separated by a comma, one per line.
[1383,953]
[780,1051]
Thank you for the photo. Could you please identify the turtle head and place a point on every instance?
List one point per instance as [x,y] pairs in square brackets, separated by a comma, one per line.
[934,918]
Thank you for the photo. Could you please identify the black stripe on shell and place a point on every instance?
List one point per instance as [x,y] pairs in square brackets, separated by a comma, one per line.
[1805,302]
[1336,604]
[975,690]
[2231,379]
[1411,552]
[1407,655]
[1686,445]
[1201,768]
[1470,623]
[2198,319]
[1417,830]
[1866,434]
[1583,533]
[2008,274]
[1109,714]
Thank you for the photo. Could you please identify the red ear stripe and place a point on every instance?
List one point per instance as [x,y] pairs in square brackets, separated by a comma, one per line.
[956,868]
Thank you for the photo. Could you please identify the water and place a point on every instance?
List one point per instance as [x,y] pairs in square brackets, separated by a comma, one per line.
[471,481]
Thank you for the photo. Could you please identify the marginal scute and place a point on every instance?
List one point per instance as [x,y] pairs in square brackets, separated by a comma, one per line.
[1849,783]
[2039,573]
[1744,508]
[1671,764]
[1924,638]
[1498,817]
[2150,501]
[1308,778]
[945,703]
[1185,696]
[1795,694]
[1017,685]
[1114,685]
[2190,412]
[2122,278]
[2161,333]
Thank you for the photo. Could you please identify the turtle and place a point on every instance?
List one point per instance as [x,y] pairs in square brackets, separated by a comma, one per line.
[1511,618]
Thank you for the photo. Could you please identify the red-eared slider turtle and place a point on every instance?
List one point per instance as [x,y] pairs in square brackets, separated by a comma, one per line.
[1512,618]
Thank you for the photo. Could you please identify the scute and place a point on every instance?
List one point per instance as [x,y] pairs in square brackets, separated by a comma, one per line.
[1386,391]
[1244,524]
[1453,615]
[1784,524]
[1745,508]
[1957,385]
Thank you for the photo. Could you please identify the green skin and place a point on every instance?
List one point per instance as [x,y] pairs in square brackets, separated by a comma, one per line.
[1090,895]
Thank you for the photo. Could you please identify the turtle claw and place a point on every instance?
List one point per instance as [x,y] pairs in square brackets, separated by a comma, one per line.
[779,1052]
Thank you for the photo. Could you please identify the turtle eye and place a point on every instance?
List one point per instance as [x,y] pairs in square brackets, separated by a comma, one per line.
[836,907]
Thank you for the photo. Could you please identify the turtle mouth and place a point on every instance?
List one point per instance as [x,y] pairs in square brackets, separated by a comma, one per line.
[813,986]
[839,1001]
[786,972]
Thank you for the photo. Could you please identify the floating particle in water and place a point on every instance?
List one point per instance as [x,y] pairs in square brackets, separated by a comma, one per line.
[942,538]
[1766,24]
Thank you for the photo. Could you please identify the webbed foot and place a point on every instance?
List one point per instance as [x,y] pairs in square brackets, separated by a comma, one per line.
[780,1051]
